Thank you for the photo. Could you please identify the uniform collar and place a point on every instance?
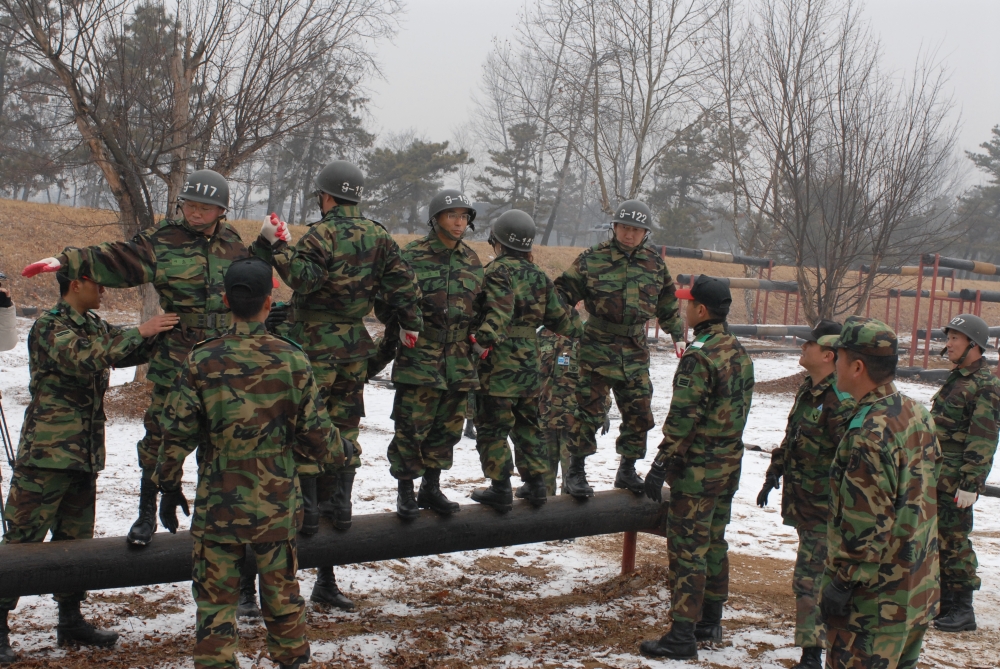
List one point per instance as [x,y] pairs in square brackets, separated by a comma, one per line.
[618,249]
[219,228]
[969,370]
[69,312]
[437,246]
[710,327]
[344,211]
[885,390]
[822,385]
[248,329]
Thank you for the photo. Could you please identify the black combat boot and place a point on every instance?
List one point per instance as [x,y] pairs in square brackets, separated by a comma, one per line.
[310,505]
[947,599]
[143,528]
[7,654]
[576,480]
[533,489]
[709,628]
[812,658]
[430,496]
[470,430]
[961,617]
[326,591]
[677,644]
[247,606]
[498,495]
[627,479]
[342,506]
[72,628]
[406,503]
[296,663]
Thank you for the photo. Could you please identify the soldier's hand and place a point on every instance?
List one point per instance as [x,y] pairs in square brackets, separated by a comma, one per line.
[965,499]
[834,600]
[274,229]
[5,301]
[771,482]
[43,265]
[680,347]
[408,338]
[653,486]
[478,349]
[158,324]
[169,501]
[607,424]
[278,315]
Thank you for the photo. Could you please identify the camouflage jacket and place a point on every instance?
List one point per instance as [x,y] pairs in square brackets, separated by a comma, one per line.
[618,291]
[966,411]
[703,435]
[450,282]
[336,271]
[70,356]
[185,267]
[882,536]
[517,299]
[816,424]
[560,369]
[249,403]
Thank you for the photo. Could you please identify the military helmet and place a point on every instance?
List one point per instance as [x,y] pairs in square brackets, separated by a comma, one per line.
[207,187]
[514,229]
[342,180]
[973,327]
[449,198]
[634,213]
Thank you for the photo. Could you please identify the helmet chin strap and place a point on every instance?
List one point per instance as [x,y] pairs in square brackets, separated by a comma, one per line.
[440,228]
[962,359]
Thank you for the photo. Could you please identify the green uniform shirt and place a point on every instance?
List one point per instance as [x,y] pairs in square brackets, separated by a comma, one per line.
[882,534]
[816,424]
[560,372]
[966,410]
[623,289]
[517,299]
[336,271]
[249,403]
[185,267]
[70,356]
[703,434]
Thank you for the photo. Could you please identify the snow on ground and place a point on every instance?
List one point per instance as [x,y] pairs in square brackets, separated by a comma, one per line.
[559,604]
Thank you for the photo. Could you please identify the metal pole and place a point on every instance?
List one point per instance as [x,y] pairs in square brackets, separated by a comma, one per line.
[930,312]
[767,294]
[628,552]
[916,309]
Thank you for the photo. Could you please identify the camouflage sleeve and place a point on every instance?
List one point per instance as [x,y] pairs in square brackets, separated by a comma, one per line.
[559,317]
[302,266]
[113,264]
[667,310]
[572,285]
[980,441]
[314,434]
[498,308]
[866,516]
[693,382]
[840,409]
[777,466]
[181,423]
[399,288]
[88,355]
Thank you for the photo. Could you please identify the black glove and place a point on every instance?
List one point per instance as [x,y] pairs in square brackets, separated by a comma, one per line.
[169,501]
[607,424]
[654,481]
[5,301]
[771,482]
[278,315]
[348,450]
[834,600]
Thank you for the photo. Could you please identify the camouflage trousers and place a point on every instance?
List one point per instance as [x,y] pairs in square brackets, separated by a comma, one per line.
[810,632]
[699,554]
[41,500]
[216,590]
[148,447]
[850,650]
[428,425]
[516,417]
[958,559]
[557,449]
[634,397]
[342,391]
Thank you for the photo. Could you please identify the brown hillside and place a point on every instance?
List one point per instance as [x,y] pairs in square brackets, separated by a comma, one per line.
[30,231]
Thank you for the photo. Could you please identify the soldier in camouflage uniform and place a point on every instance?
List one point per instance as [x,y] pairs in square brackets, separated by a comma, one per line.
[70,354]
[248,400]
[966,410]
[433,379]
[336,270]
[700,457]
[816,425]
[517,299]
[559,367]
[881,583]
[185,259]
[623,283]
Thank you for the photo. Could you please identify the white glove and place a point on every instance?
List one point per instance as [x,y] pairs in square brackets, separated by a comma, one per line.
[43,265]
[965,499]
[408,337]
[274,229]
[680,347]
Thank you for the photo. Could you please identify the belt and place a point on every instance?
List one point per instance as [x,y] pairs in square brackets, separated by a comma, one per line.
[444,336]
[617,329]
[949,446]
[206,321]
[317,316]
[522,332]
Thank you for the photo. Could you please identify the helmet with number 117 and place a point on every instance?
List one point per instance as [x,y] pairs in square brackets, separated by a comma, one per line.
[634,213]
[207,187]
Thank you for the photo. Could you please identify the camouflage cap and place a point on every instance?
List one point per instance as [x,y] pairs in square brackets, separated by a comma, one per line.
[828,341]
[867,336]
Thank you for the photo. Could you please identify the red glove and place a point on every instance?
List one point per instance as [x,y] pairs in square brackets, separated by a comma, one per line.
[408,337]
[44,265]
[274,229]
[679,347]
[479,350]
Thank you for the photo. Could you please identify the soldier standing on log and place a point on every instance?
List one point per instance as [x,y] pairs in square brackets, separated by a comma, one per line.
[70,354]
[185,259]
[623,283]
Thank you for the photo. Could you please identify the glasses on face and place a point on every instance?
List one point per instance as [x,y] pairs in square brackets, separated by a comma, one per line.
[197,207]
[456,216]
